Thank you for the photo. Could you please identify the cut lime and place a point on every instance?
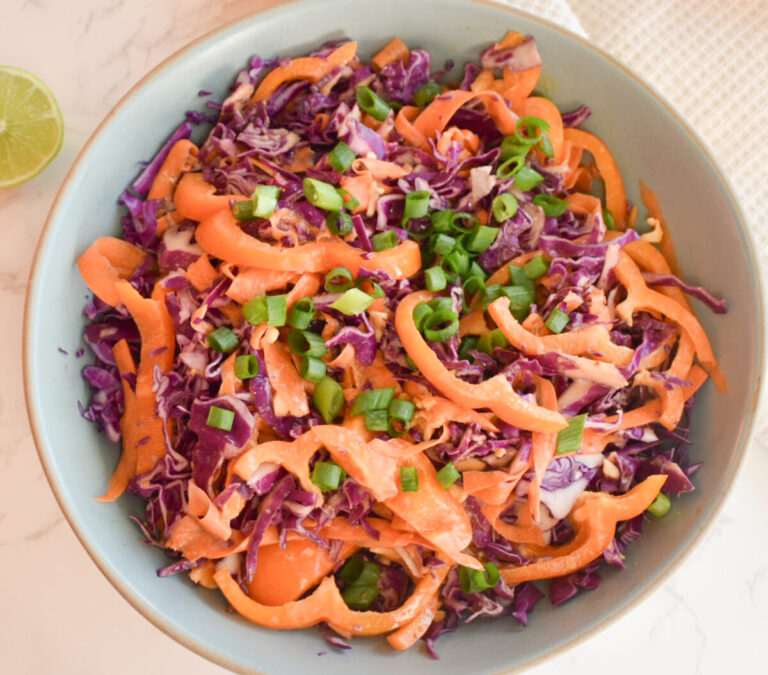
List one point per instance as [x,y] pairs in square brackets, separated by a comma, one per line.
[31,128]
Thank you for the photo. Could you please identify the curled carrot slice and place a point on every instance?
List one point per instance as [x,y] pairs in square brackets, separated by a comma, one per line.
[593,340]
[436,116]
[544,446]
[394,50]
[126,467]
[496,393]
[326,604]
[289,396]
[196,199]
[410,633]
[543,108]
[615,194]
[651,202]
[312,68]
[221,237]
[404,126]
[180,159]
[106,261]
[201,274]
[594,518]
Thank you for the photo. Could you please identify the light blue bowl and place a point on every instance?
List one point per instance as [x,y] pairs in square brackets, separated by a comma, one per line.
[649,141]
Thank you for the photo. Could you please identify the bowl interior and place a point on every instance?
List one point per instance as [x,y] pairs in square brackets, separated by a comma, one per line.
[649,143]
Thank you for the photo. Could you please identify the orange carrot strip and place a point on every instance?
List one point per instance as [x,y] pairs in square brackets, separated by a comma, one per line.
[436,116]
[229,381]
[126,466]
[201,274]
[158,341]
[640,297]
[650,259]
[326,604]
[378,168]
[615,194]
[305,158]
[404,126]
[651,202]
[180,159]
[543,108]
[495,393]
[221,237]
[285,574]
[412,632]
[594,518]
[578,202]
[525,531]
[306,286]
[253,281]
[361,188]
[196,199]
[544,447]
[394,50]
[310,68]
[435,514]
[106,261]
[290,398]
[593,340]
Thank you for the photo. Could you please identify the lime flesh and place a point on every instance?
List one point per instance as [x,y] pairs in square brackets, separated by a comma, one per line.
[31,128]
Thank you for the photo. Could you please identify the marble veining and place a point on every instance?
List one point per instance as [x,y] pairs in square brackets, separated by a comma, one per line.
[711,615]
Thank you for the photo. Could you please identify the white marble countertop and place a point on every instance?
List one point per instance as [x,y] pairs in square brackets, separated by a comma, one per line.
[60,615]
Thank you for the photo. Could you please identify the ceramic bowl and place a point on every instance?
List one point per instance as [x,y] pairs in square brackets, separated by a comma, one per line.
[650,142]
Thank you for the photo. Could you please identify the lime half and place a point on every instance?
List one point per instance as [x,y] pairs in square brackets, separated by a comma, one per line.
[31,128]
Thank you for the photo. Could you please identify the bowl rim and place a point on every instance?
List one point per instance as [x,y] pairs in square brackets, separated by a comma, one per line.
[288,6]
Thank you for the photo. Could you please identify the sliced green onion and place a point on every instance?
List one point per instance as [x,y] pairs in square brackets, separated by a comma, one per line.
[490,340]
[471,286]
[441,325]
[353,302]
[510,167]
[440,303]
[246,366]
[481,238]
[448,475]
[312,369]
[459,217]
[350,201]
[400,413]
[377,292]
[360,597]
[443,243]
[441,221]
[504,207]
[610,223]
[242,210]
[569,439]
[475,581]
[376,420]
[511,148]
[420,312]
[359,572]
[381,241]
[323,195]
[341,157]
[527,178]
[339,223]
[660,506]
[520,298]
[277,310]
[491,292]
[553,206]
[306,343]
[326,475]
[416,205]
[264,200]
[222,340]
[302,313]
[255,310]
[424,95]
[338,280]
[518,277]
[220,418]
[328,398]
[557,320]
[534,128]
[476,271]
[373,399]
[409,479]
[372,103]
[434,279]
[468,344]
[536,267]
[545,145]
[457,261]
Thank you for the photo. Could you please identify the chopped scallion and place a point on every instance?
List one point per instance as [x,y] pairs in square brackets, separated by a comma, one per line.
[536,267]
[553,206]
[339,223]
[222,340]
[246,366]
[326,475]
[400,413]
[373,399]
[448,475]
[264,200]
[338,280]
[328,398]
[527,178]
[416,205]
[504,207]
[481,238]
[341,157]
[306,343]
[569,439]
[434,279]
[660,506]
[475,581]
[220,418]
[312,369]
[381,241]
[409,479]
[353,302]
[424,95]
[441,325]
[557,320]
[376,420]
[372,103]
[302,313]
[323,195]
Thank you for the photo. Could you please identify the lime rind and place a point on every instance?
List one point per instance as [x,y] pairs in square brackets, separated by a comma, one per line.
[35,132]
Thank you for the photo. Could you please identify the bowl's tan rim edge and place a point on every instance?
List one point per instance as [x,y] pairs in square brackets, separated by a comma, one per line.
[657,583]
